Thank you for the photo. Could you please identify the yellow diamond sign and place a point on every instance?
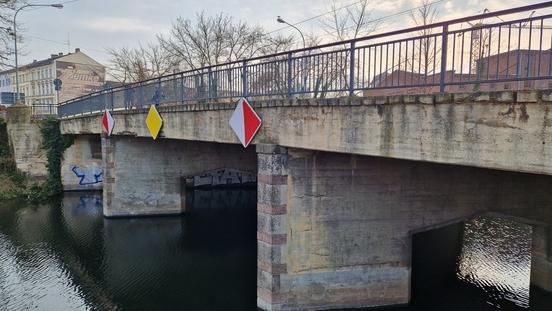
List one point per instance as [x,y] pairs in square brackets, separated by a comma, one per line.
[154,122]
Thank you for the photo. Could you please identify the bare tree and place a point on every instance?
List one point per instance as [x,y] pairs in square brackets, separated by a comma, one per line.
[141,63]
[343,23]
[427,48]
[352,21]
[212,40]
[7,9]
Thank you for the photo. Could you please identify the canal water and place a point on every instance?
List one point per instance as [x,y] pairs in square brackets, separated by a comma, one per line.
[65,256]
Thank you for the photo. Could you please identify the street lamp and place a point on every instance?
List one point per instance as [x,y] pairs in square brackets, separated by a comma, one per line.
[303,63]
[55,5]
[282,21]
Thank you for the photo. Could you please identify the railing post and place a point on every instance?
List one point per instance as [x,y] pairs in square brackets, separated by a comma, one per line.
[444,46]
[209,83]
[182,88]
[244,78]
[352,69]
[289,75]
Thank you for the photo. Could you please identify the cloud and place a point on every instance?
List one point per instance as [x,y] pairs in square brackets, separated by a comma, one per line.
[118,24]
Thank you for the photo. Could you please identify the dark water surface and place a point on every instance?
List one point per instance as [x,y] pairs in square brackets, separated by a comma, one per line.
[66,256]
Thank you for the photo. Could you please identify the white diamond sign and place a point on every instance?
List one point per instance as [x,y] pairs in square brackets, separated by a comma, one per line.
[245,122]
[107,122]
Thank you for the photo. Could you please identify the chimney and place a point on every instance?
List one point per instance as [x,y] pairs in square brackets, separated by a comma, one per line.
[52,55]
[77,50]
[60,54]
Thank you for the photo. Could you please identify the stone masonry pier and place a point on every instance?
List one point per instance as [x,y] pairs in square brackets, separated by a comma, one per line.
[335,230]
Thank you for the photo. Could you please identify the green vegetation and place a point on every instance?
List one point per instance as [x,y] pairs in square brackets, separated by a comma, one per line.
[14,184]
[55,144]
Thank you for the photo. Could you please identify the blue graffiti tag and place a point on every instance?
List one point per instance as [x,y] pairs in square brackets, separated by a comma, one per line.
[83,176]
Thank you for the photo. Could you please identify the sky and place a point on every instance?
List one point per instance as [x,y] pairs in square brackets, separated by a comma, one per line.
[95,25]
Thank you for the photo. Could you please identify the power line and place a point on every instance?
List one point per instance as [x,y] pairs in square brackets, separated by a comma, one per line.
[65,43]
[349,5]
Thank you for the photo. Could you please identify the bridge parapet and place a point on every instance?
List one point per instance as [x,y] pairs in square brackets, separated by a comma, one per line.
[498,130]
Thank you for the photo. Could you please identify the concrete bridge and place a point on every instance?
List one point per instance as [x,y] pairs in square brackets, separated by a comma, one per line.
[343,183]
[344,179]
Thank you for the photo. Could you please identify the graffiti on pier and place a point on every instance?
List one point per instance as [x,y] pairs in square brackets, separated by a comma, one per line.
[88,176]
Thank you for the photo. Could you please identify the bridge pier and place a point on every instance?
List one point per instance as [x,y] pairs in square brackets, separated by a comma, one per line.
[81,165]
[335,230]
[145,177]
[541,258]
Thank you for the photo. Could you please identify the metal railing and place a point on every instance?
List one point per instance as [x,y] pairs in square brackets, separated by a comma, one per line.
[44,110]
[476,53]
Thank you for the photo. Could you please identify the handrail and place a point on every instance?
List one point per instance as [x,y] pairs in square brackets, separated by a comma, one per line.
[344,42]
[354,66]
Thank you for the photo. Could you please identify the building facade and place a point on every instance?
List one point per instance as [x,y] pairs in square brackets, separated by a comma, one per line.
[79,73]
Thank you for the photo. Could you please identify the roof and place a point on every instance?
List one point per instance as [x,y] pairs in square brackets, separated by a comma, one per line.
[76,57]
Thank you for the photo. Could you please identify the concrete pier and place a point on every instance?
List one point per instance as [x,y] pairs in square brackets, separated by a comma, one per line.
[335,230]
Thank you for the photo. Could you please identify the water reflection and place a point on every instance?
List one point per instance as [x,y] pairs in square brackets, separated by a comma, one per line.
[496,257]
[66,256]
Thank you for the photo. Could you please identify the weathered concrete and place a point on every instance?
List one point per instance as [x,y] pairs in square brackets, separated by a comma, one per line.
[221,178]
[81,165]
[26,140]
[495,133]
[334,230]
[146,177]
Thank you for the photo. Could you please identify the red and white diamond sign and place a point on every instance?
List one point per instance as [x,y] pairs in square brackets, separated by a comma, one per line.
[245,122]
[107,122]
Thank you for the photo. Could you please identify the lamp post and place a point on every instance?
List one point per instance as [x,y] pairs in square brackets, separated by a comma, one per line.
[57,6]
[282,21]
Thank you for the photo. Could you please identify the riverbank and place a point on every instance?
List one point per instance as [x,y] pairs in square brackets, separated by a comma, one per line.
[15,184]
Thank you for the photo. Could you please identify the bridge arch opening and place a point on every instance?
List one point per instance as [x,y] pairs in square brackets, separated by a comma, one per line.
[485,262]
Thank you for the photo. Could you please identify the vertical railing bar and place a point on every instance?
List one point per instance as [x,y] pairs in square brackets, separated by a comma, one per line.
[244,78]
[399,65]
[289,74]
[471,54]
[480,56]
[358,84]
[453,56]
[509,43]
[498,52]
[363,68]
[518,65]
[529,49]
[419,61]
[352,69]
[434,59]
[489,52]
[406,61]
[392,64]
[369,65]
[413,59]
[540,46]
[462,58]
[443,58]
[381,63]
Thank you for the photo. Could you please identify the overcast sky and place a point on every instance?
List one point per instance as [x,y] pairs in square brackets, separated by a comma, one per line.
[94,25]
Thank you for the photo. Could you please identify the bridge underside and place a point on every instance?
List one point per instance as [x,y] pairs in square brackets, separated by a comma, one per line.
[146,178]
